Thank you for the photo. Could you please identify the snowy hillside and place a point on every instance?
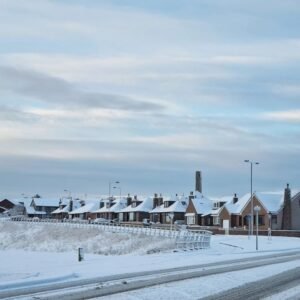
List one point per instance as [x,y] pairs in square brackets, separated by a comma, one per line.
[44,237]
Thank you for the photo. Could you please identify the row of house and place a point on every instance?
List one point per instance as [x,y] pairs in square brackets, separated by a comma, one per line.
[278,210]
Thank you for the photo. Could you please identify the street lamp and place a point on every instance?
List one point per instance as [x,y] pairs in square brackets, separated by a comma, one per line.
[171,216]
[251,169]
[120,190]
[270,226]
[248,219]
[257,210]
[109,186]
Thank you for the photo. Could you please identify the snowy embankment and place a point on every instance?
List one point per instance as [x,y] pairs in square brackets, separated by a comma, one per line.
[57,238]
[51,253]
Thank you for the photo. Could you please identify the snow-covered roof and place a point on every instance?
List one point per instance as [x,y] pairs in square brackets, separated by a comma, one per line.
[236,208]
[88,207]
[202,204]
[117,205]
[271,201]
[145,206]
[31,211]
[46,202]
[60,210]
[179,205]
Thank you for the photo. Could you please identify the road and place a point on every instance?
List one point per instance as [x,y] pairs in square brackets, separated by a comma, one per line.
[261,289]
[102,286]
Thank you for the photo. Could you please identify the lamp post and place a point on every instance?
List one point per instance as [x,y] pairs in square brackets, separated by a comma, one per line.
[248,219]
[251,175]
[171,216]
[120,190]
[257,210]
[270,226]
[109,186]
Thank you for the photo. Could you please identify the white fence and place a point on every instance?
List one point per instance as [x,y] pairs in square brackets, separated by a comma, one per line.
[184,239]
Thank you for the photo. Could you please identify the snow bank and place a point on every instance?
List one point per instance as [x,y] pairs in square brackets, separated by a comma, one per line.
[56,238]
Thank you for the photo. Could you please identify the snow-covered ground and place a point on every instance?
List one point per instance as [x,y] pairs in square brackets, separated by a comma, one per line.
[32,253]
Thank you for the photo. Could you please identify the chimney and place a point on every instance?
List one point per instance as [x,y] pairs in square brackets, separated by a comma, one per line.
[287,210]
[160,200]
[71,205]
[235,198]
[198,183]
[191,196]
[129,200]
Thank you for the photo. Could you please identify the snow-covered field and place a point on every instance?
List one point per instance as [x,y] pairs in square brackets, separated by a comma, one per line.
[58,238]
[32,253]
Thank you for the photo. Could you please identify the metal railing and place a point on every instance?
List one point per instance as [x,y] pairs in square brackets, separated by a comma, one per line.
[184,239]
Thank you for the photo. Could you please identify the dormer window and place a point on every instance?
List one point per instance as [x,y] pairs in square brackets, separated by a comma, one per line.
[183,202]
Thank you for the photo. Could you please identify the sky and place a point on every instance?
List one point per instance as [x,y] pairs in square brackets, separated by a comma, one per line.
[146,93]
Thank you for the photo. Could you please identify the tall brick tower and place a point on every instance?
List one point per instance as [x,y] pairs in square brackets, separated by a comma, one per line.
[198,186]
[287,210]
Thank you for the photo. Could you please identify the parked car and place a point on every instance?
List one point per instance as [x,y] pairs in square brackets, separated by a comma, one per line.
[179,222]
[115,221]
[147,222]
[100,221]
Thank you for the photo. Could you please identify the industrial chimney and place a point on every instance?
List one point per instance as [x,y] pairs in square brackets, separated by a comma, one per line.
[198,182]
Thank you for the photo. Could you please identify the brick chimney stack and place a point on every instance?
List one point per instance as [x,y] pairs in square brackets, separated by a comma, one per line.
[287,210]
[198,187]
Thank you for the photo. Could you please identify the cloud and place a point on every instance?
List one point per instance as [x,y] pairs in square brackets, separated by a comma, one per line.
[58,92]
[292,116]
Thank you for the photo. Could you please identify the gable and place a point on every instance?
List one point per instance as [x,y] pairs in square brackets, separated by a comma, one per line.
[191,208]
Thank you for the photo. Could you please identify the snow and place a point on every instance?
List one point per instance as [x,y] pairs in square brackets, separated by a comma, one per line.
[145,206]
[46,202]
[33,253]
[205,286]
[271,201]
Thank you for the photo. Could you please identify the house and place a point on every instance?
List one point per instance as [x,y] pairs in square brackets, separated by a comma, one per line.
[42,207]
[202,211]
[84,211]
[137,210]
[172,209]
[11,207]
[111,208]
[66,205]
[289,215]
[273,210]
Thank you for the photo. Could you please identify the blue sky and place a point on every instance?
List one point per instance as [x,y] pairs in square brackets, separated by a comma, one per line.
[147,92]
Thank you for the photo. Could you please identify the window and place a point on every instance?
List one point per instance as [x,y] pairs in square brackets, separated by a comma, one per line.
[274,219]
[131,216]
[216,220]
[261,220]
[190,220]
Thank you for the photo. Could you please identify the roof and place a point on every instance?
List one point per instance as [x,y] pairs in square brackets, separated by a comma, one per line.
[179,205]
[46,202]
[145,206]
[271,201]
[31,211]
[117,205]
[88,207]
[202,204]
[236,208]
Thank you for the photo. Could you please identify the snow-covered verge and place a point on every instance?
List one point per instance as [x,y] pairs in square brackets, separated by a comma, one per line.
[56,238]
[51,253]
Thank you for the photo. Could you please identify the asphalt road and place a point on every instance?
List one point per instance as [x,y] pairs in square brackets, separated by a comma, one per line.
[261,289]
[102,286]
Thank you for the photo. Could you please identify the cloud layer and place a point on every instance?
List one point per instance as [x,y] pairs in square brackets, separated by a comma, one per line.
[147,93]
